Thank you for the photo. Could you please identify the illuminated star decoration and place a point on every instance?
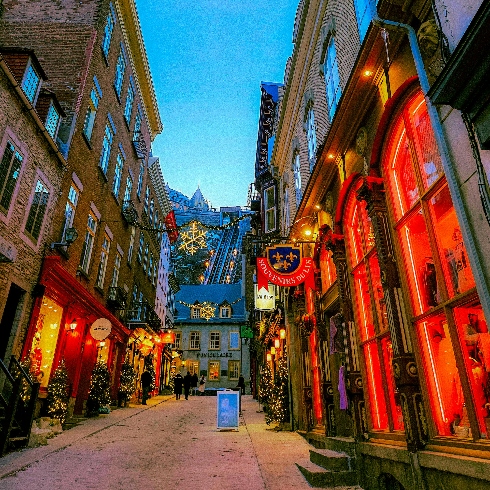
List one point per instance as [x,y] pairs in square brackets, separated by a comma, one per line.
[194,239]
[207,310]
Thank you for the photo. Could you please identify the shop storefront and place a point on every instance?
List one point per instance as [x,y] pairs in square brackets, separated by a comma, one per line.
[416,311]
[69,324]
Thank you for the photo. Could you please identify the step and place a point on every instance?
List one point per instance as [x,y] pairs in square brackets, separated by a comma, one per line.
[330,460]
[319,477]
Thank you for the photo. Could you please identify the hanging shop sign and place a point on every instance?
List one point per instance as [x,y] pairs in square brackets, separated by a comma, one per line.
[168,338]
[101,329]
[265,300]
[284,266]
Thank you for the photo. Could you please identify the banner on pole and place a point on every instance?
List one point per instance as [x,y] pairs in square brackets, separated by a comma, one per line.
[284,267]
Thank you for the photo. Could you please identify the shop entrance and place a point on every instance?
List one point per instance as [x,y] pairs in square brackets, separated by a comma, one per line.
[11,314]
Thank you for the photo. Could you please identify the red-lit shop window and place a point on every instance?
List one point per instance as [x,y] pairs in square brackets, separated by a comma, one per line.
[328,270]
[436,269]
[371,317]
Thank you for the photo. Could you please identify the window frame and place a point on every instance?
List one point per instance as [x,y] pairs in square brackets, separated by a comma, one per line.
[12,174]
[104,258]
[118,171]
[121,64]
[38,219]
[33,92]
[297,177]
[195,340]
[108,31]
[105,153]
[214,340]
[331,73]
[223,309]
[236,363]
[210,370]
[230,341]
[311,137]
[91,113]
[88,243]
[53,120]
[270,214]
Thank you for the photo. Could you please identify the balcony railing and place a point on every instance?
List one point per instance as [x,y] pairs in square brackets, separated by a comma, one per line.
[140,314]
[129,212]
[116,298]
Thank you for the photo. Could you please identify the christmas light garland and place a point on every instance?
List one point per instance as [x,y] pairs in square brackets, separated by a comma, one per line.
[207,308]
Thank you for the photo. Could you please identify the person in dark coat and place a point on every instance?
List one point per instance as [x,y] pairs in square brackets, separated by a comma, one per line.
[241,384]
[145,385]
[187,384]
[178,382]
[194,381]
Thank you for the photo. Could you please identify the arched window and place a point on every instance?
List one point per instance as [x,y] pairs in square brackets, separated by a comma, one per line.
[311,136]
[454,340]
[371,316]
[297,178]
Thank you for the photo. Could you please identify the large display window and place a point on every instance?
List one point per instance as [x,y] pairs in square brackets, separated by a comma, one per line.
[452,338]
[371,317]
[45,339]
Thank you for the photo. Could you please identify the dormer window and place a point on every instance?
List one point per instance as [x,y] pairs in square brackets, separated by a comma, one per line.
[31,83]
[195,312]
[52,121]
[225,311]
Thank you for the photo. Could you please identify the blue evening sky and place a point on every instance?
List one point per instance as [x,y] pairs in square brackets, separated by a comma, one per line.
[207,59]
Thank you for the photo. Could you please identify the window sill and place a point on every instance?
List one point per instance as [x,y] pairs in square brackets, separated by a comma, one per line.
[116,198]
[105,57]
[99,290]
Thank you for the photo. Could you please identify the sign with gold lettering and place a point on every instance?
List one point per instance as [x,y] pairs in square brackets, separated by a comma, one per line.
[284,266]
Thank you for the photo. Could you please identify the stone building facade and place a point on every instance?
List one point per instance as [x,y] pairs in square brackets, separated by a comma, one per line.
[387,193]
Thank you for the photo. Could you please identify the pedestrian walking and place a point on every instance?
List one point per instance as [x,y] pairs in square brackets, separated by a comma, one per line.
[145,385]
[178,382]
[202,384]
[241,384]
[187,384]
[194,383]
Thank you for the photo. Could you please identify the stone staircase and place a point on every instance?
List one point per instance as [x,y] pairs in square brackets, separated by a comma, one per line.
[330,467]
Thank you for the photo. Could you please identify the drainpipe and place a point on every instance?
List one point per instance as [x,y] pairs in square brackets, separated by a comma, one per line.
[461,212]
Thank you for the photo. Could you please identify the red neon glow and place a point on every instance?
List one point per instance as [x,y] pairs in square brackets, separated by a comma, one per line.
[377,401]
[317,400]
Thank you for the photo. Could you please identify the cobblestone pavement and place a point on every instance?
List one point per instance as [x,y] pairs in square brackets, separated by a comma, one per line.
[167,444]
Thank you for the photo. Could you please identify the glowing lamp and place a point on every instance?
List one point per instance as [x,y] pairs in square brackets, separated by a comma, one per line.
[269,357]
[277,343]
[282,333]
[273,351]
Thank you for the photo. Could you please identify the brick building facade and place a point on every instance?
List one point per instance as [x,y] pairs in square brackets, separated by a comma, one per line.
[95,61]
[32,169]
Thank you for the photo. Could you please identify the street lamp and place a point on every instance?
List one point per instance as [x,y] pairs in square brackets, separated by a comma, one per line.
[71,235]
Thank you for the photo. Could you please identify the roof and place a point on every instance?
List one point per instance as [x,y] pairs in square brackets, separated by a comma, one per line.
[212,293]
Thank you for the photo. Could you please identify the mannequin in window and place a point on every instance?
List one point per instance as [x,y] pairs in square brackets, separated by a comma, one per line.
[461,261]
[429,282]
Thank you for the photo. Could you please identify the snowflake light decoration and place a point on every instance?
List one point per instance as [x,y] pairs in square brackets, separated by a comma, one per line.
[207,310]
[194,239]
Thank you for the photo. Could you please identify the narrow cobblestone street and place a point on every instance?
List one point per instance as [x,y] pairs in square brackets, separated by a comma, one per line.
[168,444]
